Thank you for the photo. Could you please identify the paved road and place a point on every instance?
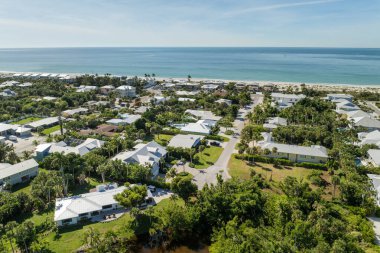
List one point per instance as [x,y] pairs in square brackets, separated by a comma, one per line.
[201,177]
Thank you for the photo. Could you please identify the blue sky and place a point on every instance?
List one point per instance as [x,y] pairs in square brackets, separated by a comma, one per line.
[67,23]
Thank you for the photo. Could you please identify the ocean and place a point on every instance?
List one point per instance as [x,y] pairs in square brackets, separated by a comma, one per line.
[308,65]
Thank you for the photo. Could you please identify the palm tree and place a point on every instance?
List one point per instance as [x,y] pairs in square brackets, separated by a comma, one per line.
[335,180]
[102,170]
[9,228]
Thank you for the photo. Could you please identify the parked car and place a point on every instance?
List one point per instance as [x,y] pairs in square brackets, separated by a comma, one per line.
[215,143]
[13,138]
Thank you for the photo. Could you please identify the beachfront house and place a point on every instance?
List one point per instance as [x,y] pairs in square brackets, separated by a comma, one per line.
[374,157]
[9,84]
[126,91]
[18,173]
[148,154]
[185,141]
[283,101]
[210,87]
[346,106]
[334,97]
[81,149]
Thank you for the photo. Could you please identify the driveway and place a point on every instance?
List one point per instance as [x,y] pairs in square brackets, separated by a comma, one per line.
[209,175]
[26,144]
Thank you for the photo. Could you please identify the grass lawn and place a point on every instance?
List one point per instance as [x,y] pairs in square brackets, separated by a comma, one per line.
[163,139]
[71,237]
[241,169]
[50,130]
[207,157]
[25,121]
[378,104]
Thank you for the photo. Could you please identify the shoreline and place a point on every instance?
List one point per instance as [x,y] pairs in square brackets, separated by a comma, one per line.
[280,84]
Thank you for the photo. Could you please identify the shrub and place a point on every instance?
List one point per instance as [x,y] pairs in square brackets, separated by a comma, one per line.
[229,132]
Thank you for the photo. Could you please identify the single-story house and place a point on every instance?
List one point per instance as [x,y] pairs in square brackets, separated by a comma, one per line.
[144,154]
[369,138]
[185,141]
[18,173]
[23,131]
[85,147]
[294,153]
[104,129]
[7,129]
[71,210]
[88,88]
[333,97]
[274,122]
[159,99]
[69,113]
[186,93]
[126,119]
[368,123]
[206,115]
[8,93]
[8,84]
[374,157]
[186,100]
[46,122]
[200,127]
[210,87]
[224,101]
[357,114]
[141,109]
[376,186]
[346,106]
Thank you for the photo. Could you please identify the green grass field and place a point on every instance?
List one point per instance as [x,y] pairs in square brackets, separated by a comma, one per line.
[50,130]
[163,139]
[207,158]
[25,121]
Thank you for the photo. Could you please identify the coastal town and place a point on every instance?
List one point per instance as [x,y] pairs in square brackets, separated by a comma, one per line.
[95,163]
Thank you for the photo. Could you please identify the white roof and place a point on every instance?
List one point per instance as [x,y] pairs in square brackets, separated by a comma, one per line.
[210,86]
[357,114]
[186,93]
[43,122]
[22,129]
[222,100]
[288,96]
[66,208]
[186,99]
[197,127]
[184,140]
[367,122]
[144,153]
[374,154]
[125,87]
[339,96]
[9,170]
[370,138]
[61,147]
[203,114]
[75,111]
[6,127]
[277,121]
[317,151]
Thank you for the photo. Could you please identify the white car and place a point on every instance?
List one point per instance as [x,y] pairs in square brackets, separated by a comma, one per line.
[13,138]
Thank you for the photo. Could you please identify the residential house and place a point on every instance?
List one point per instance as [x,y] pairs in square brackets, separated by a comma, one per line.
[159,99]
[273,123]
[374,157]
[7,129]
[104,129]
[376,186]
[286,100]
[81,149]
[87,88]
[210,87]
[43,123]
[369,138]
[72,112]
[18,173]
[346,106]
[23,131]
[333,97]
[126,91]
[126,119]
[145,154]
[224,101]
[90,206]
[186,100]
[185,141]
[200,127]
[368,123]
[107,89]
[8,93]
[206,115]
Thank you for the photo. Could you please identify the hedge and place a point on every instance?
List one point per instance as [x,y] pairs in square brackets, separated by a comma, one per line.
[280,161]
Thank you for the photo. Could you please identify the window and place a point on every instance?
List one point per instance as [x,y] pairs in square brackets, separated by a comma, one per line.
[67,221]
[83,214]
[107,207]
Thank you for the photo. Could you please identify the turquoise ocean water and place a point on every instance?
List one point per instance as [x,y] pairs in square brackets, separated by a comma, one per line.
[309,65]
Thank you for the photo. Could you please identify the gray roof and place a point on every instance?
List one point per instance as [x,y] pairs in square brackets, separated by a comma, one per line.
[10,170]
[61,147]
[148,153]
[374,154]
[203,114]
[7,127]
[184,140]
[317,151]
[43,122]
[367,122]
[288,96]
